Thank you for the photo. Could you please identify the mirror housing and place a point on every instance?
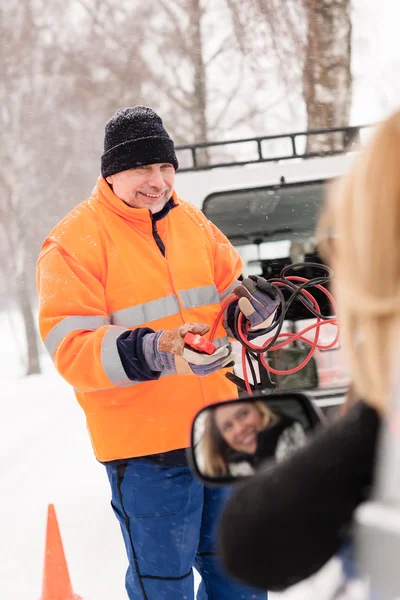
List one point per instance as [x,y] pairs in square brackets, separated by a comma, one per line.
[231,439]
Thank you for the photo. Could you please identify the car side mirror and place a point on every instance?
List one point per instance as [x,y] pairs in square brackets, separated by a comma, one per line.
[231,439]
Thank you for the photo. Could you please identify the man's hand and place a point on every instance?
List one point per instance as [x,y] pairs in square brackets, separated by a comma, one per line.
[258,301]
[166,351]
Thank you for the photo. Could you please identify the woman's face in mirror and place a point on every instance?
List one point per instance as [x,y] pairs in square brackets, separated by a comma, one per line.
[239,425]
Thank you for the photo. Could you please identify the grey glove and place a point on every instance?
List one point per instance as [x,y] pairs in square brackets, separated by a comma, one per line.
[258,301]
[165,350]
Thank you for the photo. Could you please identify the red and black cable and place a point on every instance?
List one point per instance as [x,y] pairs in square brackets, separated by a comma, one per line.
[299,292]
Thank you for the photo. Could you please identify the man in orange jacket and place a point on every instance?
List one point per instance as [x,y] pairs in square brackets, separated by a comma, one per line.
[121,280]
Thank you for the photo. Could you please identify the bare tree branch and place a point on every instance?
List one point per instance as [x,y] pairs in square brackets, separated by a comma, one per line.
[181,37]
[225,110]
[225,45]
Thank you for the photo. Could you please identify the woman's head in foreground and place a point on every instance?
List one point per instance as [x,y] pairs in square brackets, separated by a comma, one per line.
[359,236]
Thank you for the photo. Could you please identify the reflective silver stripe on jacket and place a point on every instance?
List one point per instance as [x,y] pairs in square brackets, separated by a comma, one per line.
[200,296]
[128,383]
[110,359]
[143,313]
[70,324]
[165,307]
[226,293]
[127,318]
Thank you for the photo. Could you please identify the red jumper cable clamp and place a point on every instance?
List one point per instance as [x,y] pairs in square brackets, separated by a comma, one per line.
[199,343]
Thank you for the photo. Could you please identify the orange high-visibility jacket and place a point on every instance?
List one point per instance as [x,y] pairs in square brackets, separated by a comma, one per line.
[100,273]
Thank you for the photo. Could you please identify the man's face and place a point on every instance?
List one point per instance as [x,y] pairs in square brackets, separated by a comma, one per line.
[148,187]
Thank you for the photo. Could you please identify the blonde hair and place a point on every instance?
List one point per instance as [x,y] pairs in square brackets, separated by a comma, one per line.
[362,222]
[214,448]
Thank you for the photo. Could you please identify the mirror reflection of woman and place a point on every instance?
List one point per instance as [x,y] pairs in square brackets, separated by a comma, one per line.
[237,437]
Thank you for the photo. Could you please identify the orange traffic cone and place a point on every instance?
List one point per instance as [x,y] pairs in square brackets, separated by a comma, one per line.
[56,580]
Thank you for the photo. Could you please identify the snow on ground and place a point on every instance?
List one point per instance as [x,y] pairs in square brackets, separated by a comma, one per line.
[46,457]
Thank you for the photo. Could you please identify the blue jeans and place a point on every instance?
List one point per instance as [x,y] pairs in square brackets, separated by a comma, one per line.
[168,522]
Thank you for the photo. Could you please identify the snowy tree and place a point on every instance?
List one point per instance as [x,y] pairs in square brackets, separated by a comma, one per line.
[310,41]
[209,92]
[177,63]
[29,122]
[327,81]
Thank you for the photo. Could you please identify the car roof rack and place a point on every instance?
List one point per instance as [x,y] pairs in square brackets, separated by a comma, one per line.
[200,158]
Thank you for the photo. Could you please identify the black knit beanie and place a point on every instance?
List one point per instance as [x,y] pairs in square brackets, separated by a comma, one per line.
[135,137]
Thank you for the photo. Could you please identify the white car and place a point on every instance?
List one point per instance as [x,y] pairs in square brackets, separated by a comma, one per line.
[266,201]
